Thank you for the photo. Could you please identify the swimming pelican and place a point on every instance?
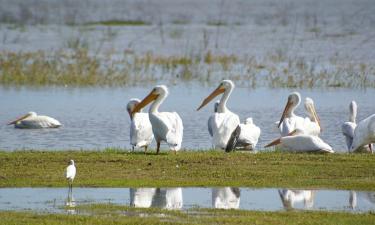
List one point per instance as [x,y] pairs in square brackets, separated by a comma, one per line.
[226,198]
[70,174]
[298,141]
[33,121]
[364,134]
[348,129]
[312,122]
[166,126]
[290,197]
[140,128]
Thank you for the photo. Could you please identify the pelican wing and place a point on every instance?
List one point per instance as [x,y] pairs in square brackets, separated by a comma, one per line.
[249,134]
[141,130]
[38,122]
[223,126]
[173,127]
[210,125]
[305,143]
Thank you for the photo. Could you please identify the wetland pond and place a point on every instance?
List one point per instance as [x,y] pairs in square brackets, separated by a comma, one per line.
[96,118]
[56,200]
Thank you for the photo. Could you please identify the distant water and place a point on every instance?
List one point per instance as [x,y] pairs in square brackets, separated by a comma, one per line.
[96,118]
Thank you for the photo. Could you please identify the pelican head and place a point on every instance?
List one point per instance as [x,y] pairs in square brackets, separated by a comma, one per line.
[278,141]
[133,102]
[310,108]
[224,86]
[71,162]
[293,101]
[29,114]
[158,92]
[352,111]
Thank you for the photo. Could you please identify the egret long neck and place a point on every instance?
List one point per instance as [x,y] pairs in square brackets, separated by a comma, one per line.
[222,107]
[155,105]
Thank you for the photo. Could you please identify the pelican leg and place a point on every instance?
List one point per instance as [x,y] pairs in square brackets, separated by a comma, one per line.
[157,147]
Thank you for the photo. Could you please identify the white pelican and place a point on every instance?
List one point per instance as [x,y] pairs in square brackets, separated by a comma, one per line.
[70,174]
[166,126]
[140,128]
[141,197]
[244,137]
[33,121]
[364,134]
[298,141]
[290,197]
[211,119]
[312,122]
[226,198]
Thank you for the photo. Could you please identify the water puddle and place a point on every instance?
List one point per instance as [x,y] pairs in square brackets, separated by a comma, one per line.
[56,200]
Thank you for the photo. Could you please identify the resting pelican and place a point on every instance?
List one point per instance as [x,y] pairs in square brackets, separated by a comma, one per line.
[166,126]
[33,121]
[244,137]
[349,127]
[364,134]
[298,141]
[290,197]
[226,198]
[140,128]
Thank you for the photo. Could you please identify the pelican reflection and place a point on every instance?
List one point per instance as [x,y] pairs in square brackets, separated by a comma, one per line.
[226,198]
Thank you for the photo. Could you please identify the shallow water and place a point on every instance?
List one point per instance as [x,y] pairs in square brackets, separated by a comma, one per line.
[268,199]
[96,118]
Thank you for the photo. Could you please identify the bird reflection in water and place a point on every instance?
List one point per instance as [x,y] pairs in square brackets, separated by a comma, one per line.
[226,198]
[166,198]
[290,197]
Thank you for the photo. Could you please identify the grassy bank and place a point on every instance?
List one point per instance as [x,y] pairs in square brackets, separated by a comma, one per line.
[115,168]
[107,214]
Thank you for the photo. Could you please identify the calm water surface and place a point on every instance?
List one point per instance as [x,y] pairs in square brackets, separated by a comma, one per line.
[268,199]
[96,118]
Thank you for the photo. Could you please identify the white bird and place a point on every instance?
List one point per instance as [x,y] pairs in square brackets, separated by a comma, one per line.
[245,137]
[211,119]
[290,121]
[349,127]
[140,127]
[166,126]
[298,141]
[224,123]
[141,197]
[290,197]
[33,121]
[70,174]
[364,134]
[226,198]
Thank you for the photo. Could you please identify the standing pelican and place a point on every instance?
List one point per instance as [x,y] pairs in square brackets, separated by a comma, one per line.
[140,128]
[298,141]
[166,126]
[33,121]
[70,174]
[348,129]
[364,134]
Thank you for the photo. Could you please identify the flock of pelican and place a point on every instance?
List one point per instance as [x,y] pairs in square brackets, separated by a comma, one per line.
[297,134]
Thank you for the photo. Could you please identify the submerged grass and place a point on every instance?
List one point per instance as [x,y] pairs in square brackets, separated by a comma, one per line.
[79,67]
[119,23]
[117,168]
[111,214]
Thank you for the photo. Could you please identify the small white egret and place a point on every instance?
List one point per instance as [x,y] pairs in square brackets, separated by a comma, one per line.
[33,121]
[70,174]
[140,127]
[166,126]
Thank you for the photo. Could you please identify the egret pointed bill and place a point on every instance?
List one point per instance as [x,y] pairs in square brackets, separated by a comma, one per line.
[216,92]
[286,109]
[149,98]
[278,141]
[19,119]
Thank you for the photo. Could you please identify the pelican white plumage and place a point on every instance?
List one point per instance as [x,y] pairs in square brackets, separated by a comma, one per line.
[290,197]
[70,174]
[298,141]
[226,198]
[210,123]
[349,127]
[140,127]
[141,197]
[312,122]
[364,134]
[33,121]
[166,126]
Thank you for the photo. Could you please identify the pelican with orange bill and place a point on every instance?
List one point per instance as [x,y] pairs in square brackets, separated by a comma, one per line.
[166,126]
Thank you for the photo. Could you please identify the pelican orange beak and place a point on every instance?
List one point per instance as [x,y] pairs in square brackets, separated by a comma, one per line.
[286,109]
[278,141]
[216,92]
[18,119]
[316,117]
[149,98]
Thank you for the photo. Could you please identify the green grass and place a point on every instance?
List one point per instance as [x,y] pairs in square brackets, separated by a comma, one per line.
[110,214]
[116,168]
